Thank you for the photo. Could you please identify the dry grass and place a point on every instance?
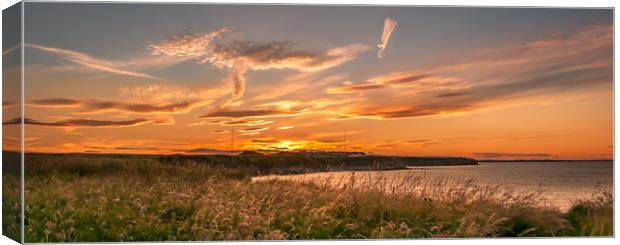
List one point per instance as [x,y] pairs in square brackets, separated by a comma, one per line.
[593,217]
[121,199]
[11,206]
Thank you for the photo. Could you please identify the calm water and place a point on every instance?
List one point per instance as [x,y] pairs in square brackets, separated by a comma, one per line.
[561,182]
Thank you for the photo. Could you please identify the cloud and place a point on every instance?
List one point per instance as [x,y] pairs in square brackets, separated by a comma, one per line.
[250,133]
[9,104]
[388,27]
[404,111]
[354,88]
[253,113]
[307,105]
[502,154]
[575,60]
[343,117]
[285,127]
[237,77]
[299,84]
[412,80]
[158,93]
[397,78]
[98,106]
[240,56]
[55,103]
[581,45]
[264,140]
[418,141]
[480,96]
[331,137]
[453,94]
[93,62]
[86,123]
[252,130]
[279,55]
[93,107]
[243,122]
[187,45]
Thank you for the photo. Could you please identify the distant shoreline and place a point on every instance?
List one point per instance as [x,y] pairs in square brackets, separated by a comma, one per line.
[283,163]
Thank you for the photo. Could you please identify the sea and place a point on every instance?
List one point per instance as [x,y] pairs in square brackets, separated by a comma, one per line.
[560,183]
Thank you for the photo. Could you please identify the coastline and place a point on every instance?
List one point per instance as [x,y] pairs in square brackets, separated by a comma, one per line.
[185,191]
[282,163]
[298,164]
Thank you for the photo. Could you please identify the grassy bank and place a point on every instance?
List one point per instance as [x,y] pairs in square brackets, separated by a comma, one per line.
[281,163]
[143,199]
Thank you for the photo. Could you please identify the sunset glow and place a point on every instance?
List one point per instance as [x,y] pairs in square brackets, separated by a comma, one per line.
[285,78]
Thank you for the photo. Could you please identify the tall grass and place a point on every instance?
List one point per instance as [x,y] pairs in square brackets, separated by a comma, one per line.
[140,199]
[11,195]
[592,217]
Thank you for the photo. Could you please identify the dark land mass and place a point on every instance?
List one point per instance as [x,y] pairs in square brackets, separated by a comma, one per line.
[281,163]
[290,163]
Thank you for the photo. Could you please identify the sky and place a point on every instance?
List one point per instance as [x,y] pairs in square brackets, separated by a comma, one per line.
[486,83]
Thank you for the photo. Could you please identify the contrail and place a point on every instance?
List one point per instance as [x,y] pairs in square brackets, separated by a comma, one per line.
[89,61]
[11,49]
[388,27]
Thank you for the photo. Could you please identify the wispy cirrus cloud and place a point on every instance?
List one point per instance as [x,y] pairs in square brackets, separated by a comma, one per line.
[86,60]
[241,122]
[99,106]
[349,87]
[87,123]
[55,103]
[251,130]
[264,140]
[413,81]
[157,94]
[388,27]
[220,131]
[95,107]
[253,113]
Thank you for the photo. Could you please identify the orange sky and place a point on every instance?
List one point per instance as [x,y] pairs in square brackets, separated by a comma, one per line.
[543,94]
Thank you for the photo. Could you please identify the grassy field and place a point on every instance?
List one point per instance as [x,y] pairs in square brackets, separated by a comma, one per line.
[11,211]
[140,198]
